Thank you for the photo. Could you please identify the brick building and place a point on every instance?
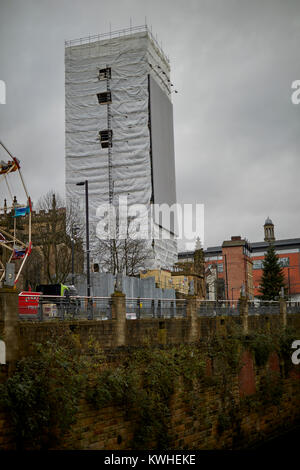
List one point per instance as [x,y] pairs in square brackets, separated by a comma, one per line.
[232,265]
[237,264]
[288,252]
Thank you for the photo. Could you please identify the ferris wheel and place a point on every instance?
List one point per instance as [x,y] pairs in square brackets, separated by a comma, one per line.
[15,247]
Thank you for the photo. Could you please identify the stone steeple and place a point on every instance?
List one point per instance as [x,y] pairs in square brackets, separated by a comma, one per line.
[269,230]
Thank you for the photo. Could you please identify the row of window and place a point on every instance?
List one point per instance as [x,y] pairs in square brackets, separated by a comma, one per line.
[258,263]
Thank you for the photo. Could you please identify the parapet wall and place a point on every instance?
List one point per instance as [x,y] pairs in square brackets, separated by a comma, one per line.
[120,331]
[141,332]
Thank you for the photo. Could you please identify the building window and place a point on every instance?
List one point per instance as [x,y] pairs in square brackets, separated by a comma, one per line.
[214,258]
[257,264]
[247,252]
[284,262]
[104,73]
[105,138]
[104,98]
[220,267]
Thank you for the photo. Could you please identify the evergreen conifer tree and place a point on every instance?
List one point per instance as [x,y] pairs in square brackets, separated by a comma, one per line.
[272,278]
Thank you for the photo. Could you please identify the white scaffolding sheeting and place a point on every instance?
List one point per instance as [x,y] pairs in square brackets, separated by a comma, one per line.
[131,58]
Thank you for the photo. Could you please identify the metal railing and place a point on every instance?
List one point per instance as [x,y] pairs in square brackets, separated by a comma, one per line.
[52,307]
[117,34]
[213,308]
[137,308]
[292,307]
[260,307]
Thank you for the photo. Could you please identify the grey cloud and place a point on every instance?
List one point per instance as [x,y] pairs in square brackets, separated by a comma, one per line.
[236,131]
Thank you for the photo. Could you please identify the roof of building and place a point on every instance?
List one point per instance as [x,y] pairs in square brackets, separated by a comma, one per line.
[279,244]
[186,254]
[288,243]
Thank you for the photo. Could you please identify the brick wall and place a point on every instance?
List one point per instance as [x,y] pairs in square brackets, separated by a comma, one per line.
[147,331]
[236,270]
[109,429]
[193,425]
[35,332]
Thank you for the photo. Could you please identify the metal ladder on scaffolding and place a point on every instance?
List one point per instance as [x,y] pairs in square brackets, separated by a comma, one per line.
[109,118]
[109,153]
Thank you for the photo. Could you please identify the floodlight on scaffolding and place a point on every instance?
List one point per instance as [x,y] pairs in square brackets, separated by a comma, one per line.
[104,74]
[105,138]
[104,98]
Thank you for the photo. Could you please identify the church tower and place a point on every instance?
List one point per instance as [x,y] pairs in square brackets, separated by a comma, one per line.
[269,231]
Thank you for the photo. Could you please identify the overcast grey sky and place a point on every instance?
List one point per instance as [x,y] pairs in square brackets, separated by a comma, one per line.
[237,136]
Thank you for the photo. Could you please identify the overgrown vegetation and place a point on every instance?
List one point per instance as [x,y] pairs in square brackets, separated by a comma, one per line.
[144,386]
[42,395]
[270,386]
[261,344]
[285,338]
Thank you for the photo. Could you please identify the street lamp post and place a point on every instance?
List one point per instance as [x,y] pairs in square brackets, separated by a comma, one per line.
[72,245]
[86,185]
[289,280]
[73,233]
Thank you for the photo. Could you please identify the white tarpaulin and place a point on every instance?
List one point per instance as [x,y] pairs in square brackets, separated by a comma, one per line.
[131,58]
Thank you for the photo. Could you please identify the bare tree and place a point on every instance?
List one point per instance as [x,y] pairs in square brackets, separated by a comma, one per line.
[123,255]
[50,200]
[57,227]
[75,225]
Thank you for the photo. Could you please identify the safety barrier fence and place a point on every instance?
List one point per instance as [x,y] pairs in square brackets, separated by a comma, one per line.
[52,307]
[88,40]
[155,308]
[213,308]
[292,307]
[263,307]
[49,307]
